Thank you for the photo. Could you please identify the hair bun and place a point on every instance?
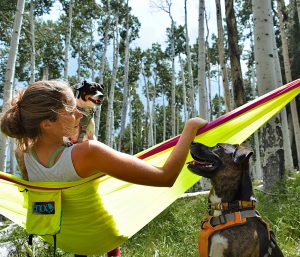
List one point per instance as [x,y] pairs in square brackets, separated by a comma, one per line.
[11,122]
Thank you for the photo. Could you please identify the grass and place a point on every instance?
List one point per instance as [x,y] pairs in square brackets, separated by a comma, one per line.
[174,233]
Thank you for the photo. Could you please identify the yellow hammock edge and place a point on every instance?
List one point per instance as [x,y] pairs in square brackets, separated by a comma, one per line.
[100,213]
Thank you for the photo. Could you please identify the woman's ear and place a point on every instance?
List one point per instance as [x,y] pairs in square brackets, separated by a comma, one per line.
[45,124]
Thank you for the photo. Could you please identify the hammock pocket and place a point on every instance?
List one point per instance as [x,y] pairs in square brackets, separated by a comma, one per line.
[99,213]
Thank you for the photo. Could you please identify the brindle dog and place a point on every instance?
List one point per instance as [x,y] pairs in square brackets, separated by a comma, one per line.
[233,228]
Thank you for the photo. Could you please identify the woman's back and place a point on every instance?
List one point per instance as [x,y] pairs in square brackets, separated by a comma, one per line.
[62,170]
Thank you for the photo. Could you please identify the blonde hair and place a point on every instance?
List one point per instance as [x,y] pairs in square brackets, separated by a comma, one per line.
[39,101]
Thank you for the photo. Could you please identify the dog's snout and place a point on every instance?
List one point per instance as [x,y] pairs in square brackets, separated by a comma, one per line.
[193,145]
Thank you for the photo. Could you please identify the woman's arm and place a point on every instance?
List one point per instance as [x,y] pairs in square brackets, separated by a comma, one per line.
[92,156]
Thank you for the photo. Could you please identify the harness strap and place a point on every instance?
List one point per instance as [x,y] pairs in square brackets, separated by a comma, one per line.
[54,245]
[54,154]
[29,252]
[222,219]
[272,245]
[208,230]
[212,224]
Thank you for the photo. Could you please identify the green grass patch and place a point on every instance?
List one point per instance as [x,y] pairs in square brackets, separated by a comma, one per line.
[173,233]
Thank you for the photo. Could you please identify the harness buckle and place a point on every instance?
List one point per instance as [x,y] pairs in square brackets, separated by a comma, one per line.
[234,206]
[222,219]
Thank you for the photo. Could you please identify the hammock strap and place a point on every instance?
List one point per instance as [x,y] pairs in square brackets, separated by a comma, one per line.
[30,243]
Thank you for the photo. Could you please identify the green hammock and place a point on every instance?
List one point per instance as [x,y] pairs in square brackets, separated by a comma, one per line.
[100,213]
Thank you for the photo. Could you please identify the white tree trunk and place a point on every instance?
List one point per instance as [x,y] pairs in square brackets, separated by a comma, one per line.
[125,85]
[79,58]
[45,73]
[201,63]
[273,165]
[102,68]
[219,92]
[222,60]
[209,102]
[153,113]
[112,139]
[110,108]
[130,127]
[258,165]
[68,39]
[298,9]
[92,53]
[149,113]
[190,70]
[12,146]
[164,115]
[185,112]
[288,158]
[288,76]
[32,36]
[9,76]
[173,103]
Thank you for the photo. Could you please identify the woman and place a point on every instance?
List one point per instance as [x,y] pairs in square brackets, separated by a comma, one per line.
[45,113]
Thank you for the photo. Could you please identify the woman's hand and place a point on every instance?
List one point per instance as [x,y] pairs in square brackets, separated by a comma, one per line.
[194,124]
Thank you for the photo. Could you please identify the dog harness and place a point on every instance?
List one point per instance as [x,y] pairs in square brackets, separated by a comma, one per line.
[212,224]
[88,114]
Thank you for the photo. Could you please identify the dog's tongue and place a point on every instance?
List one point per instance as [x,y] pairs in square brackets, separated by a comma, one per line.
[95,101]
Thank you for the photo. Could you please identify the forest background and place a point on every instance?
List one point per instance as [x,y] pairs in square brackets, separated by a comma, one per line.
[150,91]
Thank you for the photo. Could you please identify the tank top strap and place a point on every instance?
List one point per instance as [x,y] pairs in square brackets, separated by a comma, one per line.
[54,154]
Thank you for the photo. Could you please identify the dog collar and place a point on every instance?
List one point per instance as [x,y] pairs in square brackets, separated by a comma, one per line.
[86,111]
[232,206]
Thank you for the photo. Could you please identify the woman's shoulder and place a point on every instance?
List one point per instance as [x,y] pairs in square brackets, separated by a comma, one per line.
[87,157]
[86,148]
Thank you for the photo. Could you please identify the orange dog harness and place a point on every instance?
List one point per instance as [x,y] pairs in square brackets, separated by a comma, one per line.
[212,224]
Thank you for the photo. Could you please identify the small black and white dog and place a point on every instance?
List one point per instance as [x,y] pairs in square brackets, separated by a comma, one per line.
[88,96]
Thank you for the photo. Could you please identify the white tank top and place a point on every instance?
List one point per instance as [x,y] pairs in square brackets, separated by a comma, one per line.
[62,170]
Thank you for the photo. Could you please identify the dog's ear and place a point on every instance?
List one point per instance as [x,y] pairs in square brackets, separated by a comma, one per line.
[101,87]
[241,154]
[79,85]
[245,190]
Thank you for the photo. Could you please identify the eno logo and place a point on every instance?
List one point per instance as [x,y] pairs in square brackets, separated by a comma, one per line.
[43,208]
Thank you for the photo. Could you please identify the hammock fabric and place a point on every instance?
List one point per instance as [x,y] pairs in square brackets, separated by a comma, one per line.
[100,213]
